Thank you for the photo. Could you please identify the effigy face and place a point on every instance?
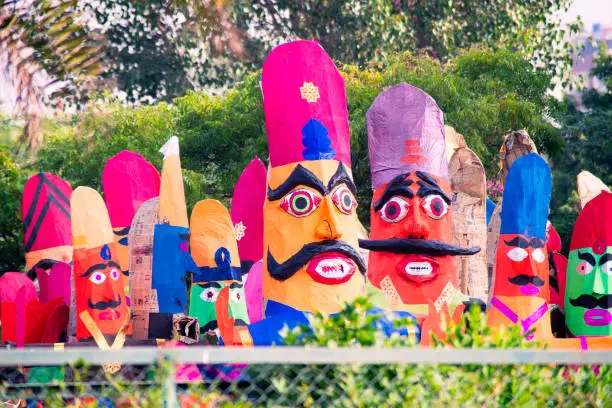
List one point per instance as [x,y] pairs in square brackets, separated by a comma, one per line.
[588,298]
[310,236]
[204,296]
[411,237]
[99,288]
[525,264]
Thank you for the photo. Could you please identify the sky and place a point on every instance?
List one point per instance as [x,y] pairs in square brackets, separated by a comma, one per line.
[591,11]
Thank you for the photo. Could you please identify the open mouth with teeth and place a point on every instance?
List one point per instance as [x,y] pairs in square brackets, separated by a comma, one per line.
[418,268]
[331,268]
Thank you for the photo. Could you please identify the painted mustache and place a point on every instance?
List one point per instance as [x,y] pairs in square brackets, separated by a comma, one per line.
[289,268]
[416,246]
[212,325]
[591,302]
[523,280]
[104,305]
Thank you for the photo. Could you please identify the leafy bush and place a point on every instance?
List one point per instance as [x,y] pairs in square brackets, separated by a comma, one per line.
[12,180]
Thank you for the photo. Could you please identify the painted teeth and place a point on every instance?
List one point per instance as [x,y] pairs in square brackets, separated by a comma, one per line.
[333,268]
[418,268]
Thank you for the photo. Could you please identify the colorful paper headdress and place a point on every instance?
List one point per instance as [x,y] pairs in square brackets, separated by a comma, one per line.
[45,210]
[304,105]
[212,242]
[405,132]
[128,180]
[526,197]
[595,222]
[247,213]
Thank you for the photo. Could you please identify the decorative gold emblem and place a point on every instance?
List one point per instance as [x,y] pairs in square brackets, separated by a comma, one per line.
[239,231]
[310,92]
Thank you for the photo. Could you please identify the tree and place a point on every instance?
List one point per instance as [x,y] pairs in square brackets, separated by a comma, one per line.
[588,147]
[48,55]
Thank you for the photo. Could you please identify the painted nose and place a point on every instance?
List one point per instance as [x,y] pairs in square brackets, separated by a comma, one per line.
[598,284]
[108,293]
[418,229]
[328,227]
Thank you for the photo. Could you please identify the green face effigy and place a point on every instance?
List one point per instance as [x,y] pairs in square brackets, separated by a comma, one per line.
[204,298]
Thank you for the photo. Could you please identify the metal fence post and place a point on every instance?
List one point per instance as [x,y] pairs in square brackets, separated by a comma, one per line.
[170,396]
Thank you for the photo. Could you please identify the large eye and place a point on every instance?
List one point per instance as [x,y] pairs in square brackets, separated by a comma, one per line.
[97,277]
[395,210]
[607,267]
[114,274]
[209,294]
[344,200]
[517,254]
[435,206]
[584,268]
[300,203]
[236,295]
[538,255]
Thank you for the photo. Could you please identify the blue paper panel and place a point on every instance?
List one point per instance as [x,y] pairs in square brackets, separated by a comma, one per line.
[170,264]
[490,208]
[526,197]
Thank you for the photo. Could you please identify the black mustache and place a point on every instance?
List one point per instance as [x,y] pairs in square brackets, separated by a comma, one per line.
[416,246]
[104,305]
[288,268]
[523,280]
[591,302]
[212,325]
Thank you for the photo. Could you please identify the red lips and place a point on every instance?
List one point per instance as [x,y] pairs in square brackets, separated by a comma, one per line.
[418,268]
[109,315]
[331,268]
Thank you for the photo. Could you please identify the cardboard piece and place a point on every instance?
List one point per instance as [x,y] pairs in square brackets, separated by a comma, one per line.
[45,211]
[521,291]
[128,180]
[215,253]
[589,187]
[143,296]
[310,254]
[588,309]
[411,240]
[468,185]
[253,292]
[247,213]
[97,274]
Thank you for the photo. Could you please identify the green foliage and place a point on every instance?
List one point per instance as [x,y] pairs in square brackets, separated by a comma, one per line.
[588,147]
[12,180]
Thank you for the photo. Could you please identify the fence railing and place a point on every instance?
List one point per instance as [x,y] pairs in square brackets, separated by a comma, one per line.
[295,376]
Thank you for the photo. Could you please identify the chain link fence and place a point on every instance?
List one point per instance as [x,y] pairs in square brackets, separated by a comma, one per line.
[304,377]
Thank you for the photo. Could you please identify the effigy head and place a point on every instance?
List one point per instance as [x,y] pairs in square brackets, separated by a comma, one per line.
[310,255]
[522,258]
[215,253]
[588,298]
[411,239]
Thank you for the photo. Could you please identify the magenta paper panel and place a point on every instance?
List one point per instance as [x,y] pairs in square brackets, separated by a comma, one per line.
[56,284]
[247,211]
[45,211]
[304,105]
[128,180]
[405,133]
[253,292]
[12,282]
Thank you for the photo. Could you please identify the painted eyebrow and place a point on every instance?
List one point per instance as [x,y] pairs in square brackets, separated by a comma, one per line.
[398,186]
[518,242]
[341,177]
[299,177]
[235,285]
[209,285]
[585,256]
[605,258]
[429,186]
[92,269]
[122,231]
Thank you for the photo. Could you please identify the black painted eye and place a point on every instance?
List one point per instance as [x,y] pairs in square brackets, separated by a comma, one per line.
[300,203]
[395,210]
[344,200]
[435,206]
